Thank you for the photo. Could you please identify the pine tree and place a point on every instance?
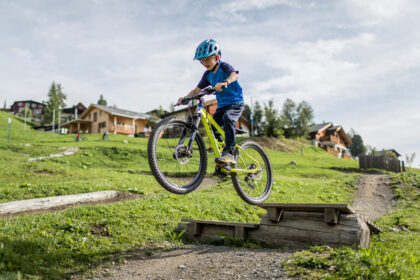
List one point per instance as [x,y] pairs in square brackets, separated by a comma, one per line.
[55,102]
[102,101]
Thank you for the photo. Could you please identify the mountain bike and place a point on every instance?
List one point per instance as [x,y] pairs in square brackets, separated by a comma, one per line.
[178,156]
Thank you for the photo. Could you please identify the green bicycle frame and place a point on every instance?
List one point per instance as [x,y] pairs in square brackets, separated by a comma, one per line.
[208,120]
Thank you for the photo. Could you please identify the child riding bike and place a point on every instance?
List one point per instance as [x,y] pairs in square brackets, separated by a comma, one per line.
[230,103]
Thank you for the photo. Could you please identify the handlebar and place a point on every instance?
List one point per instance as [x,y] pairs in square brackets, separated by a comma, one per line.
[205,91]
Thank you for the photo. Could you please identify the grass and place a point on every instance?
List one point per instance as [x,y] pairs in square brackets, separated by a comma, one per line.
[60,244]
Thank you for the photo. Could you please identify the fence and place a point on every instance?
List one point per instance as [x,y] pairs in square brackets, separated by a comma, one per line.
[380,162]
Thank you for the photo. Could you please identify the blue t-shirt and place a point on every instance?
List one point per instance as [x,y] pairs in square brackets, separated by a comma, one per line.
[230,95]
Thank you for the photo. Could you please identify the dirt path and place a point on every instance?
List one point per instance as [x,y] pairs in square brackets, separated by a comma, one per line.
[372,199]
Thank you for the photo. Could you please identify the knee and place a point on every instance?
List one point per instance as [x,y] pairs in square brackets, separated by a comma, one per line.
[227,119]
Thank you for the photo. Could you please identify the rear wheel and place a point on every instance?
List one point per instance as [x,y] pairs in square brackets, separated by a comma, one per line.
[255,187]
[176,168]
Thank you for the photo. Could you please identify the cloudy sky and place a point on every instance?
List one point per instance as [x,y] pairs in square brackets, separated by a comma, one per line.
[356,62]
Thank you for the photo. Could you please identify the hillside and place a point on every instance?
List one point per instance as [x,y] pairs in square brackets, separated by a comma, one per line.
[56,245]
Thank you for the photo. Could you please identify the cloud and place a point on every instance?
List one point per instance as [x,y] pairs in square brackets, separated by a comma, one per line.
[236,9]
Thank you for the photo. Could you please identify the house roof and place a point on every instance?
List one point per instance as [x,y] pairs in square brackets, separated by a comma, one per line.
[117,112]
[334,128]
[395,152]
[27,101]
[80,109]
[319,127]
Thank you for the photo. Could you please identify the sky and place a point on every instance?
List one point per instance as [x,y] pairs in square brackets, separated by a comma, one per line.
[356,62]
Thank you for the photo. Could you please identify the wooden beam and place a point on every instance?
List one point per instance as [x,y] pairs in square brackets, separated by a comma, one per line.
[331,215]
[115,124]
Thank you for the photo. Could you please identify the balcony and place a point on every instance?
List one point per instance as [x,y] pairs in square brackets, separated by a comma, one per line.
[122,129]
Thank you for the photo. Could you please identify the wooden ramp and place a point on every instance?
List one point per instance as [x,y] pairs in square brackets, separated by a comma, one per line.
[292,225]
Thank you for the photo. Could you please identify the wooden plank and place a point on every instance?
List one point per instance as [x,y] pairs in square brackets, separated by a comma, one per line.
[195,229]
[240,232]
[309,207]
[275,214]
[315,226]
[221,223]
[331,215]
[278,233]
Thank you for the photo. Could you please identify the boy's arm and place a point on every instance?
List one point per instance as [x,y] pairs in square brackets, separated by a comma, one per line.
[190,94]
[232,78]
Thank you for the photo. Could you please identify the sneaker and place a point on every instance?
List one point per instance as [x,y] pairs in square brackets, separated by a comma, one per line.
[226,158]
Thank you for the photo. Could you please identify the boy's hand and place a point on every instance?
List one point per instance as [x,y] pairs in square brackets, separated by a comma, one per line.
[220,86]
[180,100]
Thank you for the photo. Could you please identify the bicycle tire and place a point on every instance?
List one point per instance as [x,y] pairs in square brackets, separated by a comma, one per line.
[241,185]
[167,181]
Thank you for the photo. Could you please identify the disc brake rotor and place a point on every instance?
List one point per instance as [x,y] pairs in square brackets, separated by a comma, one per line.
[182,155]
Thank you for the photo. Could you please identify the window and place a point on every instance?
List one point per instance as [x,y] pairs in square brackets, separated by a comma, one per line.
[100,113]
[89,116]
[95,116]
[102,125]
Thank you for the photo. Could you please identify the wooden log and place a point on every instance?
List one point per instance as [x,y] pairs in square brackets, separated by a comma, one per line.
[354,232]
[51,203]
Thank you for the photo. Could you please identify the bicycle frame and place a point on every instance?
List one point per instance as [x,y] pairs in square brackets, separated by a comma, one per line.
[207,121]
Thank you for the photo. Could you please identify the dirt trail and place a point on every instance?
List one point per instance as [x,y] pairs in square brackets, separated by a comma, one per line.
[372,199]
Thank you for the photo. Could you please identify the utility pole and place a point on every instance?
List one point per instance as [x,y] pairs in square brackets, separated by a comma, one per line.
[252,119]
[26,112]
[59,115]
[53,126]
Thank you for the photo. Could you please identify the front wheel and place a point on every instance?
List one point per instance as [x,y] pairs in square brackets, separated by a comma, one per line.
[177,168]
[255,187]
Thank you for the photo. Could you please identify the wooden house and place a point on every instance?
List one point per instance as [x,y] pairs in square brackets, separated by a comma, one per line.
[332,139]
[98,119]
[210,106]
[37,108]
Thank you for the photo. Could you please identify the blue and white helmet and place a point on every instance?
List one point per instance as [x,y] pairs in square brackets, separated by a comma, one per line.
[207,48]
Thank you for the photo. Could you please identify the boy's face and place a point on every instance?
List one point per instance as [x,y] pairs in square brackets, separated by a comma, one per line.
[209,62]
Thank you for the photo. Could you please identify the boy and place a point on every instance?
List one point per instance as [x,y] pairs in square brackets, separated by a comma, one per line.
[230,102]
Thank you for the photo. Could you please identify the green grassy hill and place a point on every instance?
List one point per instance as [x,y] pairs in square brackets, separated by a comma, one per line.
[55,245]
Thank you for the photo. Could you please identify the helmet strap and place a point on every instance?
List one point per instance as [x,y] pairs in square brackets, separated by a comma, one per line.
[215,66]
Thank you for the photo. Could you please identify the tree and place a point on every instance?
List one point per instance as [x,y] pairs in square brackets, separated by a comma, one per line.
[102,101]
[410,159]
[305,115]
[357,148]
[272,124]
[26,110]
[371,151]
[171,107]
[56,101]
[258,116]
[247,113]
[288,116]
[296,119]
[4,107]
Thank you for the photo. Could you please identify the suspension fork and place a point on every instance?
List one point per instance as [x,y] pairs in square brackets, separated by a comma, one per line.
[194,121]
